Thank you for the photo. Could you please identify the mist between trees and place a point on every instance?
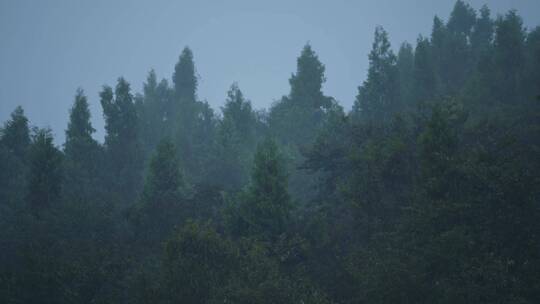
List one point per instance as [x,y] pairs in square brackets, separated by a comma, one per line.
[427,191]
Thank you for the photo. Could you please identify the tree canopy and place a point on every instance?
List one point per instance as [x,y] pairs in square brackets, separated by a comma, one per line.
[427,190]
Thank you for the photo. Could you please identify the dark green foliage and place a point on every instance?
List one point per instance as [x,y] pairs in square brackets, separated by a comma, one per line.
[14,145]
[451,50]
[425,78]
[462,19]
[405,69]
[16,134]
[45,172]
[509,56]
[236,140]
[162,201]
[306,84]
[157,111]
[164,182]
[533,64]
[194,123]
[295,119]
[197,264]
[122,143]
[79,127]
[82,153]
[184,79]
[426,192]
[482,35]
[264,209]
[377,98]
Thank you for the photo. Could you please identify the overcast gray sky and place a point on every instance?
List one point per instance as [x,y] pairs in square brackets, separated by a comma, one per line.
[49,48]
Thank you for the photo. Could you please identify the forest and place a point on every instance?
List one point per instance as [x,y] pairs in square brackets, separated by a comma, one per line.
[426,191]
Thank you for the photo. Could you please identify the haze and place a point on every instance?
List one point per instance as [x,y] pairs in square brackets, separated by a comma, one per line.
[50,48]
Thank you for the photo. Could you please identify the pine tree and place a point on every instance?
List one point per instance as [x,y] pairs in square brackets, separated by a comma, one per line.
[162,204]
[186,105]
[306,84]
[184,79]
[440,143]
[79,141]
[482,36]
[238,112]
[45,176]
[438,43]
[197,265]
[450,49]
[236,140]
[533,64]
[14,145]
[405,68]
[264,210]
[462,19]
[122,141]
[509,57]
[185,90]
[425,76]
[377,98]
[295,120]
[82,152]
[156,110]
[164,182]
[458,62]
[297,116]
[195,121]
[16,134]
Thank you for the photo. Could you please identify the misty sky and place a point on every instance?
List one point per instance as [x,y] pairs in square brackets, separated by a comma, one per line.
[49,48]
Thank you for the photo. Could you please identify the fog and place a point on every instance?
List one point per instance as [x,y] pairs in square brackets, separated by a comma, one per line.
[50,48]
[240,152]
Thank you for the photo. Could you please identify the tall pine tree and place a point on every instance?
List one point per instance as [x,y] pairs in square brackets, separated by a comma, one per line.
[14,145]
[83,153]
[264,209]
[377,98]
[122,141]
[45,175]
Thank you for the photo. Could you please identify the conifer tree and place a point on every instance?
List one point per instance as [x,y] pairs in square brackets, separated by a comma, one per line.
[462,19]
[306,84]
[377,98]
[297,116]
[79,141]
[533,64]
[45,175]
[238,112]
[164,182]
[16,133]
[458,62]
[186,105]
[156,111]
[438,42]
[195,121]
[82,152]
[161,205]
[405,68]
[197,265]
[509,57]
[14,145]
[184,78]
[122,140]
[236,139]
[425,77]
[264,210]
[482,36]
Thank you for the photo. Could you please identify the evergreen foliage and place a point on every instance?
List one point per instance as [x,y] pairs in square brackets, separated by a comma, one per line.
[426,191]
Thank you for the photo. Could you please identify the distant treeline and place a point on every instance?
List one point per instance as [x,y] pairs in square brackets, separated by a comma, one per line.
[427,191]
